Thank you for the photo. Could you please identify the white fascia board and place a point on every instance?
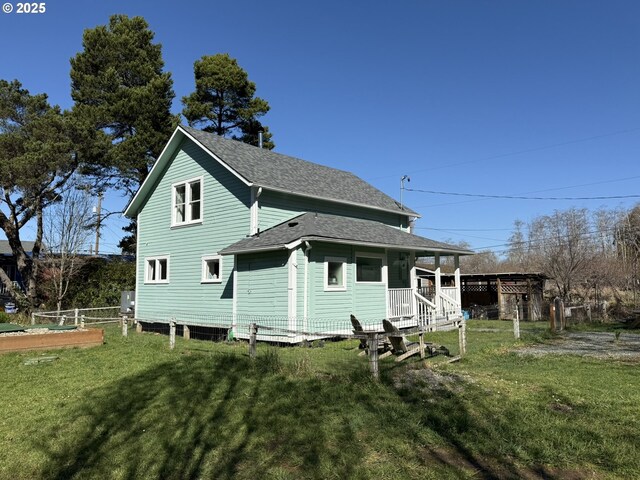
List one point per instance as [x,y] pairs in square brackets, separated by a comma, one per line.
[386,246]
[169,147]
[168,150]
[216,158]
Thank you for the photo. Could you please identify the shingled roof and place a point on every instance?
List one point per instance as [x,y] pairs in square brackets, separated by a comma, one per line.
[275,171]
[5,248]
[338,229]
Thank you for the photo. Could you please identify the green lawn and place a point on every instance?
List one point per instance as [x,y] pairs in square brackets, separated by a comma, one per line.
[134,409]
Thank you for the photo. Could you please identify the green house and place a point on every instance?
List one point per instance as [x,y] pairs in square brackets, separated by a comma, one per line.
[230,234]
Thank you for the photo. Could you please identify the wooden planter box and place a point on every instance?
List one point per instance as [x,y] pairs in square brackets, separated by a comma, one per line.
[49,341]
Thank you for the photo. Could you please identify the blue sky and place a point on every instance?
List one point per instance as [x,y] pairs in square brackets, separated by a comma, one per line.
[484,97]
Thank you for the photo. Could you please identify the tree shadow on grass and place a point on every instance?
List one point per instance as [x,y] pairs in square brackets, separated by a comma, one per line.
[203,416]
[480,440]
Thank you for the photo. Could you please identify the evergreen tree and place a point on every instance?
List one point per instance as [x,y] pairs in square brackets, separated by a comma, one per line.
[224,101]
[38,155]
[118,85]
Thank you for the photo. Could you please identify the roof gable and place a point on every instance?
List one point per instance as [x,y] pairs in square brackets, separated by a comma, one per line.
[274,171]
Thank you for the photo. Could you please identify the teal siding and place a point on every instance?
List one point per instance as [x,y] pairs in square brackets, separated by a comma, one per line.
[262,285]
[225,220]
[366,301]
[276,207]
[399,270]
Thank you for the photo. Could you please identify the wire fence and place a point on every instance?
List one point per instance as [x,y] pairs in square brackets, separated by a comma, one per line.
[377,339]
[78,316]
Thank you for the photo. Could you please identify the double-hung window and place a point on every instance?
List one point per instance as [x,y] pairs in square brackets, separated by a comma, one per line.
[187,202]
[156,270]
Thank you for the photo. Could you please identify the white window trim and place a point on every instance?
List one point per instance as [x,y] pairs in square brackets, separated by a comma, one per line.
[383,269]
[331,288]
[174,222]
[155,259]
[203,277]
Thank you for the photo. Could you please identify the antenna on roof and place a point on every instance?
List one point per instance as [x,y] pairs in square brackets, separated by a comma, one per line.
[402,179]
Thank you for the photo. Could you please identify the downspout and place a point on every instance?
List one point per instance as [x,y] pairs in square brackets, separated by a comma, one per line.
[307,249]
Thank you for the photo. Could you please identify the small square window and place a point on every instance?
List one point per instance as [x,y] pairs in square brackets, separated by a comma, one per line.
[212,269]
[335,273]
[157,270]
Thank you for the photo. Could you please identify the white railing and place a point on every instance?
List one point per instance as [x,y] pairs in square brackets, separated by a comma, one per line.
[78,316]
[452,292]
[404,301]
[400,302]
[4,290]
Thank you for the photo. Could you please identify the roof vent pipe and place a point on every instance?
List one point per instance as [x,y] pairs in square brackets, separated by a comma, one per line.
[260,139]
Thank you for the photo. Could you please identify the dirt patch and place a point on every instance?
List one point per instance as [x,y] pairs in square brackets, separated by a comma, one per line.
[479,467]
[428,380]
[625,346]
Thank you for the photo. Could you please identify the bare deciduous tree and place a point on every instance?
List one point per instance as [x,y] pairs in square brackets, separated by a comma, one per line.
[66,235]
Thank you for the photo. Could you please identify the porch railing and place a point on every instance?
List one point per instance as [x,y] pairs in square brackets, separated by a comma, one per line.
[423,305]
[400,302]
[5,291]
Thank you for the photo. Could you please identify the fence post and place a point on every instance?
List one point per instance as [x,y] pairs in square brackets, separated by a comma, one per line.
[75,317]
[186,332]
[462,337]
[421,337]
[558,306]
[172,334]
[125,326]
[373,356]
[588,308]
[82,321]
[62,320]
[138,326]
[253,336]
[33,318]
[516,324]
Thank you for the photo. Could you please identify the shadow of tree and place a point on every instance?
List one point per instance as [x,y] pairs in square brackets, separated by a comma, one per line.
[204,416]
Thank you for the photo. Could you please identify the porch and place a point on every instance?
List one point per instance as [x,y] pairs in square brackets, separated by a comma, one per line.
[428,299]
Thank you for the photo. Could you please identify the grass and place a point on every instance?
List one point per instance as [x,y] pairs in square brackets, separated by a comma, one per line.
[134,409]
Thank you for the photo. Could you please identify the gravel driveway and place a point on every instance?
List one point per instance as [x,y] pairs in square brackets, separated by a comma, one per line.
[591,344]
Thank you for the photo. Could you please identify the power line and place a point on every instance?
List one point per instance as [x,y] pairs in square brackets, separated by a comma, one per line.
[518,197]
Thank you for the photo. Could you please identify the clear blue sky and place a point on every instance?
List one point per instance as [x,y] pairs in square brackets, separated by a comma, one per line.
[485,97]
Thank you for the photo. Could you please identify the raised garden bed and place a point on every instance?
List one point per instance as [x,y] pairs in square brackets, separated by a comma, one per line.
[45,339]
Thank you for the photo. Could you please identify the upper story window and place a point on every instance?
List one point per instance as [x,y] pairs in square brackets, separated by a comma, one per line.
[156,270]
[187,202]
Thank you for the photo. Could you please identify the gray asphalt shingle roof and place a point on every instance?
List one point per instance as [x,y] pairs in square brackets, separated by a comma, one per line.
[281,172]
[5,248]
[338,229]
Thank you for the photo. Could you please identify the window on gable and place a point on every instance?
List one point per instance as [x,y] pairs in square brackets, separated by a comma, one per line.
[368,269]
[212,269]
[335,273]
[187,202]
[157,270]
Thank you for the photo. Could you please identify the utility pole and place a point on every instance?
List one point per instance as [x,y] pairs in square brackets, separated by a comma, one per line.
[402,179]
[98,211]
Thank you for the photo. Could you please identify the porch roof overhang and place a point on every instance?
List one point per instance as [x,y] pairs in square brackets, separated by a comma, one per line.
[317,227]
